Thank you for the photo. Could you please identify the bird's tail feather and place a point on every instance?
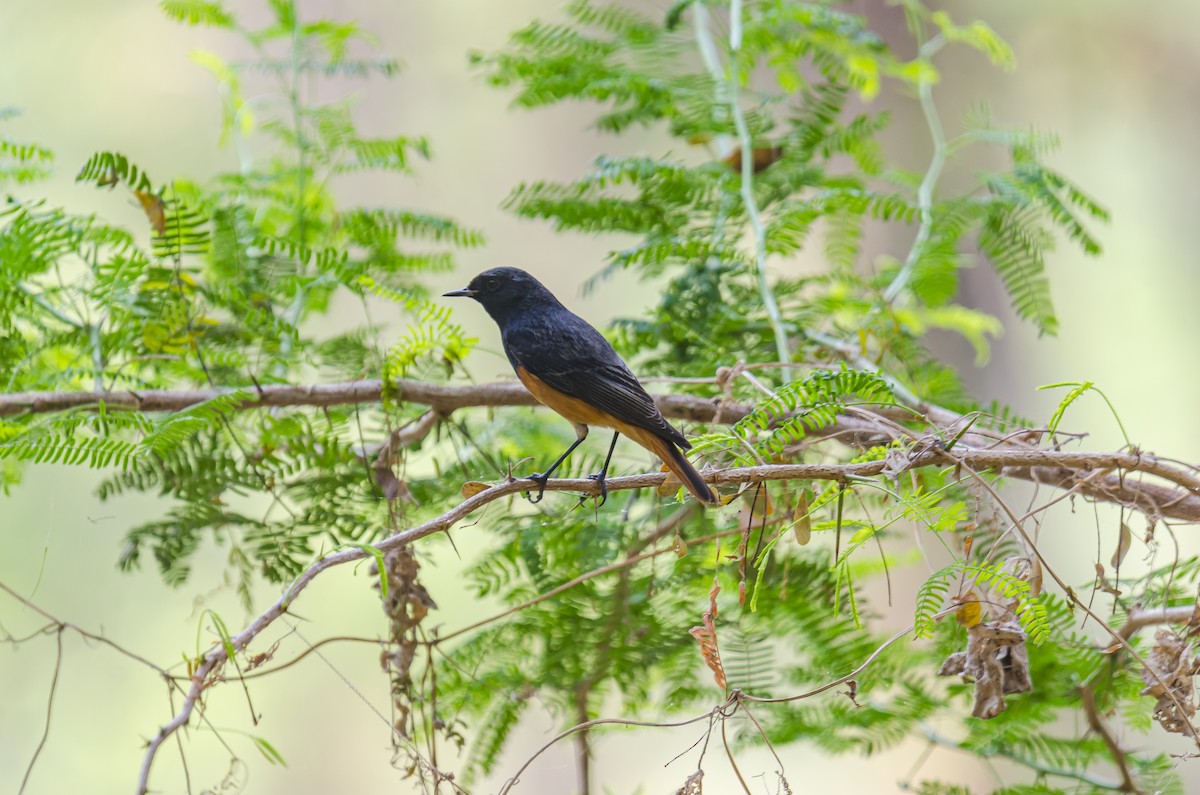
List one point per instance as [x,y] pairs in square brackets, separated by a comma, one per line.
[679,466]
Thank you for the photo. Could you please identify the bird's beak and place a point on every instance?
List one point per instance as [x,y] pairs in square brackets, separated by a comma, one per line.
[465,292]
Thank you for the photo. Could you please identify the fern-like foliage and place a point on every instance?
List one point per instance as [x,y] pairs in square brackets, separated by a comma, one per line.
[231,281]
[810,404]
[21,162]
[214,290]
[1030,610]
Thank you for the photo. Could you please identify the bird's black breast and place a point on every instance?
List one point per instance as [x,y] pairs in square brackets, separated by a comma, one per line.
[564,351]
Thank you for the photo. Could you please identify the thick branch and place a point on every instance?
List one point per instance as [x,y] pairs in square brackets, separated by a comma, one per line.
[1140,619]
[1012,456]
[437,396]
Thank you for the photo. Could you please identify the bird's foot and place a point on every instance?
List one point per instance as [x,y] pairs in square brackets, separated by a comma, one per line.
[603,489]
[539,479]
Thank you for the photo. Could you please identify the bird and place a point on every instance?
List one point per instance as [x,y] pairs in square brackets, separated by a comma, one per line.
[568,366]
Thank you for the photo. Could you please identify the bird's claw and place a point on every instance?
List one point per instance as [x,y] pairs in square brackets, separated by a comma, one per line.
[603,489]
[539,479]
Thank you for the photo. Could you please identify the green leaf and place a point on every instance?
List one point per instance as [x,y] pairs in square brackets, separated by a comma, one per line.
[199,13]
[268,751]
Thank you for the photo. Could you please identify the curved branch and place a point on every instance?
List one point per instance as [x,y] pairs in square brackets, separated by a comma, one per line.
[1140,618]
[1180,501]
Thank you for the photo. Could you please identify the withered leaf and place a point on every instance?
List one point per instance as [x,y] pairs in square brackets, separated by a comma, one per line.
[1124,540]
[803,522]
[669,486]
[473,487]
[154,209]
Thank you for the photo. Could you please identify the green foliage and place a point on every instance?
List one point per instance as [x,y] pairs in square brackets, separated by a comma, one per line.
[216,295]
[1029,608]
[220,288]
[803,406]
[21,162]
[198,12]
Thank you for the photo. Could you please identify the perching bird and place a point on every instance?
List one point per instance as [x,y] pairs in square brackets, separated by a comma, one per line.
[568,366]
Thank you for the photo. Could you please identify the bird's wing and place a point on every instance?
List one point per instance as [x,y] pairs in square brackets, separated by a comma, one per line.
[566,353]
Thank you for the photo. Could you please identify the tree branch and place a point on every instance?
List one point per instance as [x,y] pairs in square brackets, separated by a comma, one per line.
[1012,456]
[996,460]
[1118,753]
[1139,618]
[439,397]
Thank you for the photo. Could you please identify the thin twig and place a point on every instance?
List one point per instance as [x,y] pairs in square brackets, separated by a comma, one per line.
[936,739]
[853,674]
[732,761]
[307,651]
[727,81]
[80,631]
[516,777]
[582,578]
[925,191]
[1118,754]
[49,708]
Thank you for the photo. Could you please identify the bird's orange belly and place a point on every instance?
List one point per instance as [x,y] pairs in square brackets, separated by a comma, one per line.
[572,408]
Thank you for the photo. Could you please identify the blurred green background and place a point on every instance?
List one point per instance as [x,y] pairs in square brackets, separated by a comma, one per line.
[1117,80]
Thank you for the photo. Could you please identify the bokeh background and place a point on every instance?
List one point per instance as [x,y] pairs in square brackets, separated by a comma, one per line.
[1119,81]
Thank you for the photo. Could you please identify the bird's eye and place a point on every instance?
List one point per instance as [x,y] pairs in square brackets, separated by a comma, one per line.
[492,283]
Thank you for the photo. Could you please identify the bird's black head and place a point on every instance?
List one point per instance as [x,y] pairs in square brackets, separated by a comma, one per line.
[503,291]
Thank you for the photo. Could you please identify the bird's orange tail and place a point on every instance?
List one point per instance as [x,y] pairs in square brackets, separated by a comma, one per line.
[675,461]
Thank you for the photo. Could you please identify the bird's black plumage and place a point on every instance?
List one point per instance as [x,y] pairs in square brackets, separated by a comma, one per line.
[564,350]
[561,350]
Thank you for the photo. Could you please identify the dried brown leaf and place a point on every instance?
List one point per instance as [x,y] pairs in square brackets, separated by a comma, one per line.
[706,636]
[1172,662]
[154,209]
[670,485]
[997,660]
[473,487]
[692,786]
[802,521]
[1124,540]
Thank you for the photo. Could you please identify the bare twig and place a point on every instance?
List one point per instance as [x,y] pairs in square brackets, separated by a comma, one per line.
[82,632]
[49,708]
[582,578]
[1040,768]
[1118,754]
[718,711]
[732,761]
[852,675]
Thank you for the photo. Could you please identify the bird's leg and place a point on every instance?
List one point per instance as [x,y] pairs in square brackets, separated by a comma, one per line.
[603,471]
[540,478]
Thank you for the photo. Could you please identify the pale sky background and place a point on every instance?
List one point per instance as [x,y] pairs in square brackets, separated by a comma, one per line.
[1118,81]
